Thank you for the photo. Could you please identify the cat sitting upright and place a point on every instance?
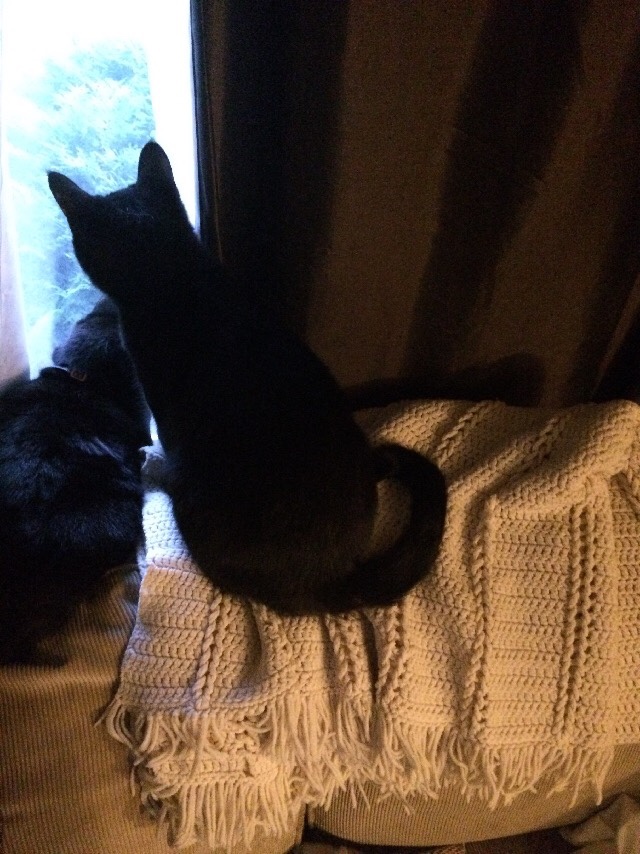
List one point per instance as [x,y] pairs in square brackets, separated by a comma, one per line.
[273,485]
[70,483]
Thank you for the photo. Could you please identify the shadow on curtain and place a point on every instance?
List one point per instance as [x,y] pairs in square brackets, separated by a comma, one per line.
[443,198]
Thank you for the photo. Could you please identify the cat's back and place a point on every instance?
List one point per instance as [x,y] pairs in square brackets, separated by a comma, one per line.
[53,434]
[42,415]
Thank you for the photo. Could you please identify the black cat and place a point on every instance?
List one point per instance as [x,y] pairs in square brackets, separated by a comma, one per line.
[274,486]
[70,485]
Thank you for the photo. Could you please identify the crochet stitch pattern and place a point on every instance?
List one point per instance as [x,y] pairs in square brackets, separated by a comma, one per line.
[514,662]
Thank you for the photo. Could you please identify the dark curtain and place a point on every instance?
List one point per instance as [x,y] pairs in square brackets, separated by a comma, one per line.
[442,197]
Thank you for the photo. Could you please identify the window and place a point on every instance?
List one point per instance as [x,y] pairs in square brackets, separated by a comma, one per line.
[85,85]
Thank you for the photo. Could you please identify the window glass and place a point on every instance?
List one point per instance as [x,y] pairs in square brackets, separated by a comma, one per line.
[86,85]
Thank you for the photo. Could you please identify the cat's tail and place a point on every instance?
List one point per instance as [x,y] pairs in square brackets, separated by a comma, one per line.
[388,576]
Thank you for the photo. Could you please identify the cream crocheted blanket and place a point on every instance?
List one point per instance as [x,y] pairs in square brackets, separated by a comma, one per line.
[516,661]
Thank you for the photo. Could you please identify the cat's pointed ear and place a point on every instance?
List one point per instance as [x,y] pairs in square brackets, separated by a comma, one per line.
[67,194]
[154,164]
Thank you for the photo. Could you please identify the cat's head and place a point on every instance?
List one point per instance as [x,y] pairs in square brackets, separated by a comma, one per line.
[130,240]
[95,352]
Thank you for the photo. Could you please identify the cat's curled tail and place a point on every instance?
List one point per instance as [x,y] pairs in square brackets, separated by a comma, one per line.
[386,577]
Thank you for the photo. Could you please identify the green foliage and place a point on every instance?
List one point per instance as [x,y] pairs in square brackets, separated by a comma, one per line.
[86,116]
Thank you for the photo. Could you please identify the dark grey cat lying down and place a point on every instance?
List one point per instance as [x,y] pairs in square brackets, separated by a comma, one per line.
[70,487]
[273,485]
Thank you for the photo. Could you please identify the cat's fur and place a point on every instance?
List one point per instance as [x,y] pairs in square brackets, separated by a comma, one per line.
[274,486]
[70,484]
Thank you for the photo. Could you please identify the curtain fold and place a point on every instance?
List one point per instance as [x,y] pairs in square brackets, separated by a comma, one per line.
[443,198]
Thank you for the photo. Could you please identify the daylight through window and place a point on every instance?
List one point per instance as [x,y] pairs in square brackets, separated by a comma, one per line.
[85,86]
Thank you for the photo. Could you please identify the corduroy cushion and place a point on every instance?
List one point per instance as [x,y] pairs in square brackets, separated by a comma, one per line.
[453,818]
[64,783]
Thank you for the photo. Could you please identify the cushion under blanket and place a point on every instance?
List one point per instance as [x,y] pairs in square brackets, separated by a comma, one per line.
[515,662]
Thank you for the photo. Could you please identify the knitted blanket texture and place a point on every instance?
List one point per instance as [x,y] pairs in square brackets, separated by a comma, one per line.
[514,663]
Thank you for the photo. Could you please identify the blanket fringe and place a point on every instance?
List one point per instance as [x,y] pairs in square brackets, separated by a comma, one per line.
[499,775]
[325,741]
[224,798]
[411,761]
[297,753]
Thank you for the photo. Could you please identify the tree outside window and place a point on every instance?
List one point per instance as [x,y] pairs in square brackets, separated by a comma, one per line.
[86,115]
